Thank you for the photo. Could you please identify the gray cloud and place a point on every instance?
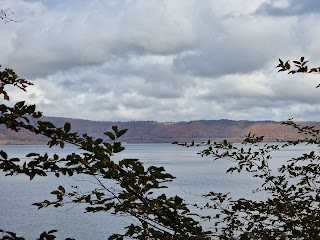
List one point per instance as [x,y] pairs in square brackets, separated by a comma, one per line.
[244,45]
[163,60]
[294,7]
[88,34]
[215,62]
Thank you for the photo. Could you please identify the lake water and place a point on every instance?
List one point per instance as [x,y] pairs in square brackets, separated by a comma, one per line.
[195,176]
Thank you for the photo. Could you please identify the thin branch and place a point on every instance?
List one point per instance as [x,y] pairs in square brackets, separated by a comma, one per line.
[6,16]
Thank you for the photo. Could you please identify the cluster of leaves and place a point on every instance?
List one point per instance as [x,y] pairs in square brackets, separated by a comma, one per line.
[9,77]
[158,216]
[300,66]
[6,235]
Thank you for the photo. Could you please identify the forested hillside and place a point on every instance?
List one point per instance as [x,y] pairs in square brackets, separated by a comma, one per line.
[149,131]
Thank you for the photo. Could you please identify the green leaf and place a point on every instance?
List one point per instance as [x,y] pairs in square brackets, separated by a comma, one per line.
[121,132]
[115,129]
[62,189]
[110,135]
[287,65]
[67,127]
[118,149]
[32,175]
[46,124]
[31,109]
[32,155]
[61,144]
[19,104]
[3,155]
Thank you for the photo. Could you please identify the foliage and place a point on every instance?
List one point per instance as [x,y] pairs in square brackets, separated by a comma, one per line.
[158,215]
[292,209]
[44,236]
[290,212]
[300,67]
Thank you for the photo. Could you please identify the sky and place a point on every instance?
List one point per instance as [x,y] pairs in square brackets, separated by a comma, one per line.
[164,60]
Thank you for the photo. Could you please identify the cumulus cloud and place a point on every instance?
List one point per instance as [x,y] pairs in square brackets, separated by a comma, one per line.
[164,60]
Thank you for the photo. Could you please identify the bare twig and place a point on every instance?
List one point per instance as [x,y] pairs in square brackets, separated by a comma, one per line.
[6,16]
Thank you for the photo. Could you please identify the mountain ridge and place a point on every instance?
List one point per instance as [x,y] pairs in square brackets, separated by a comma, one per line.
[164,132]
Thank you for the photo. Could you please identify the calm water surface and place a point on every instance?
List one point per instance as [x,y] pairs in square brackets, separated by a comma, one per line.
[195,176]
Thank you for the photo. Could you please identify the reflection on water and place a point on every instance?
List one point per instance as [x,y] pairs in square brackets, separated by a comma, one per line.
[194,176]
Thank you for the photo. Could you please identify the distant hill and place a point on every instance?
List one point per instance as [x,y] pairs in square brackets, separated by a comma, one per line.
[160,132]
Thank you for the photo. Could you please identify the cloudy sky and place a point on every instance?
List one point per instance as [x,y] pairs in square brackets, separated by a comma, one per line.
[164,60]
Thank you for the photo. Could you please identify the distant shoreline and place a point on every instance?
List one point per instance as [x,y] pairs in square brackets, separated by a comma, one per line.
[18,142]
[197,141]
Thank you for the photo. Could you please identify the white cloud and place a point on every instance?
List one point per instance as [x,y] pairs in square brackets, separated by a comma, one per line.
[164,60]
